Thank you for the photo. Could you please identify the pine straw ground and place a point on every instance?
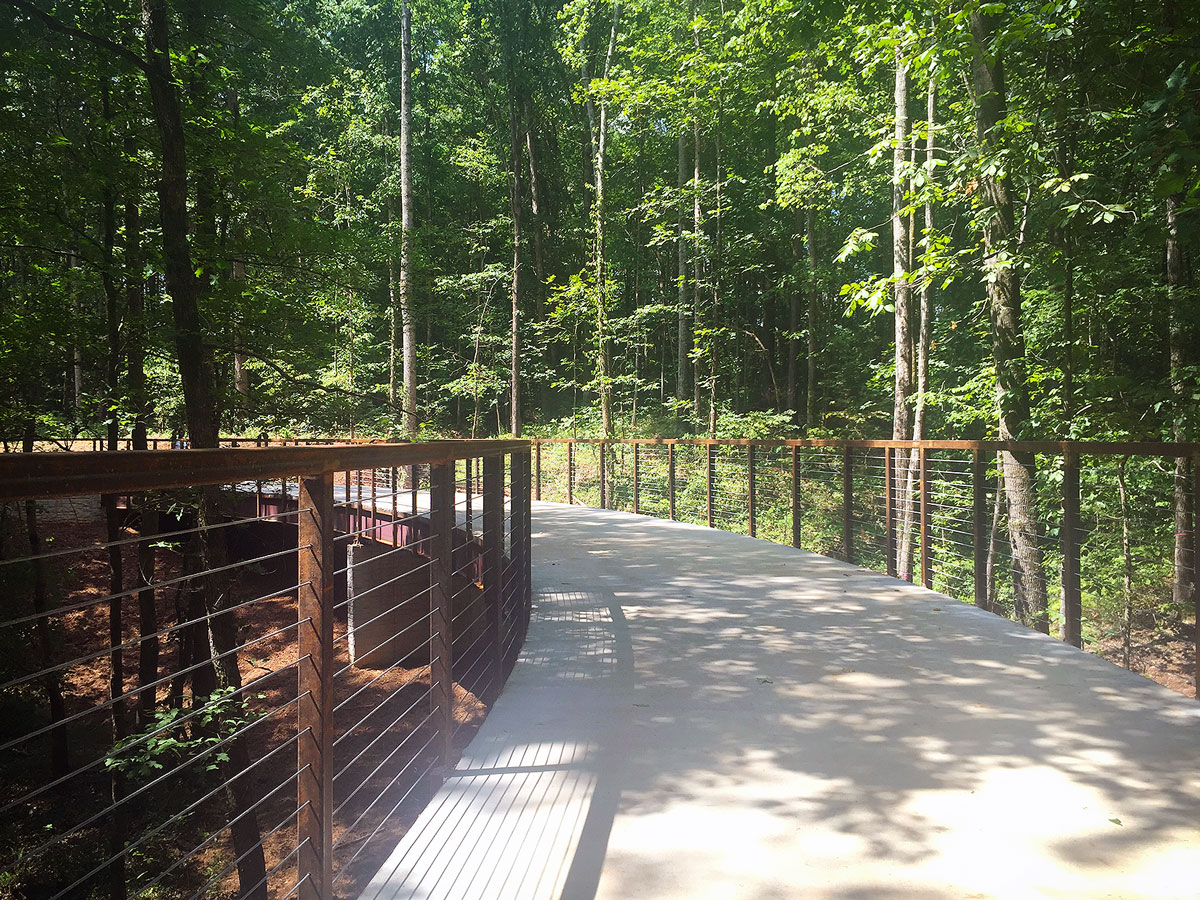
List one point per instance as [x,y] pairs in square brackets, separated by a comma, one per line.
[379,757]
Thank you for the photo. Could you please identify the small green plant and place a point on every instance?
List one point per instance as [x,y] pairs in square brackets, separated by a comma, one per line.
[159,746]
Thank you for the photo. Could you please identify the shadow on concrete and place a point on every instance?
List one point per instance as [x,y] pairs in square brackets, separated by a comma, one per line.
[699,714]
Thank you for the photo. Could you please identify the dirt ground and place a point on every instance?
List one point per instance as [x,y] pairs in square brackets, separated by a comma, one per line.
[384,737]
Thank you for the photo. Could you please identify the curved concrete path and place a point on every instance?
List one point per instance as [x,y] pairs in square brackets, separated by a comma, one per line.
[702,715]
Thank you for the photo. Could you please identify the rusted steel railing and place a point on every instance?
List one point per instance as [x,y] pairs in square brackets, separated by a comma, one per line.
[932,512]
[244,671]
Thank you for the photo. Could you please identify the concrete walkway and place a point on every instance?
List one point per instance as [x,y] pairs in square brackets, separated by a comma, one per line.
[702,715]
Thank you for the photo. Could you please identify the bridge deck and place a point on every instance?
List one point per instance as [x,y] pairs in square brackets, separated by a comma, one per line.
[698,714]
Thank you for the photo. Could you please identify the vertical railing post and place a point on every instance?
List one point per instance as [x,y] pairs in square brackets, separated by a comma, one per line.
[1071,582]
[671,480]
[711,466]
[527,546]
[603,478]
[979,527]
[750,488]
[517,542]
[441,665]
[394,480]
[470,510]
[889,509]
[315,605]
[570,472]
[796,497]
[636,477]
[848,503]
[1196,561]
[414,482]
[926,550]
[537,467]
[493,537]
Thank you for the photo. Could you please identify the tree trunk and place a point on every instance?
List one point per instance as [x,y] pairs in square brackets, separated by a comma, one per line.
[925,328]
[198,374]
[60,761]
[135,331]
[1181,587]
[406,226]
[603,363]
[196,365]
[537,206]
[515,208]
[794,299]
[902,296]
[1068,364]
[814,297]
[683,343]
[394,339]
[1008,340]
[237,274]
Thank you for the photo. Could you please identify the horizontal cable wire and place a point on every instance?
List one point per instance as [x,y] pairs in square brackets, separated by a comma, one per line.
[137,641]
[155,536]
[59,610]
[145,737]
[346,866]
[145,837]
[394,665]
[379,796]
[384,732]
[160,779]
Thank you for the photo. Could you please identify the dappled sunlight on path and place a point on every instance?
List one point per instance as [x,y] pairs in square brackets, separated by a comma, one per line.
[699,714]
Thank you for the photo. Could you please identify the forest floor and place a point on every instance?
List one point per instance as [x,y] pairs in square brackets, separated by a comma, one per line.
[381,786]
[1162,655]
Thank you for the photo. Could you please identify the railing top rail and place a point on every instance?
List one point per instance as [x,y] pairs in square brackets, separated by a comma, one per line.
[42,475]
[1060,448]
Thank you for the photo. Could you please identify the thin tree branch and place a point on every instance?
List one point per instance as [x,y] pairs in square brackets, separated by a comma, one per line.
[53,24]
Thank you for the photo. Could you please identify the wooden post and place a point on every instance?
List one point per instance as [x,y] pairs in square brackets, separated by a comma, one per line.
[526,548]
[395,482]
[1196,560]
[796,521]
[671,479]
[750,488]
[314,820]
[516,544]
[493,539]
[1071,582]
[848,503]
[603,479]
[889,509]
[441,650]
[979,535]
[636,478]
[469,517]
[926,560]
[711,468]
[537,465]
[570,471]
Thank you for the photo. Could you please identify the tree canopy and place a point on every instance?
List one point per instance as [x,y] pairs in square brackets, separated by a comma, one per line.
[627,217]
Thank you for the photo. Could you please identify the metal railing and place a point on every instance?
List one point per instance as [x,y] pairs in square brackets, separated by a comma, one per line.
[245,671]
[1104,526]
